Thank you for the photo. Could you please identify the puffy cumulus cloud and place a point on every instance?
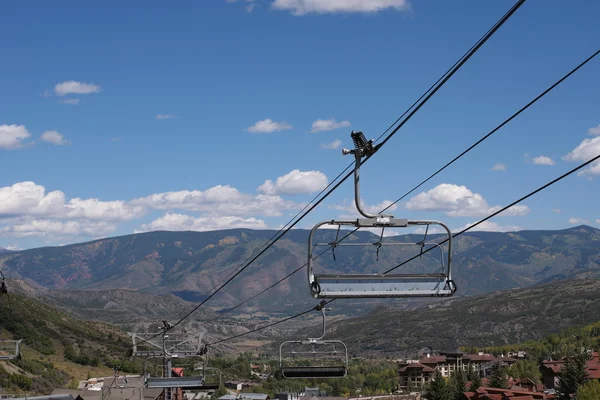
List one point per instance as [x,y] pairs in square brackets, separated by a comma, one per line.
[13,136]
[223,200]
[30,227]
[182,222]
[458,201]
[499,167]
[556,210]
[117,210]
[586,150]
[594,131]
[489,226]
[543,160]
[578,221]
[165,116]
[332,145]
[68,87]
[269,126]
[598,221]
[302,7]
[295,182]
[55,138]
[322,125]
[30,199]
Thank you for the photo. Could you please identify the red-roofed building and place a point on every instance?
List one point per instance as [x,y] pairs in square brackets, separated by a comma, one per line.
[415,374]
[447,362]
[551,368]
[488,393]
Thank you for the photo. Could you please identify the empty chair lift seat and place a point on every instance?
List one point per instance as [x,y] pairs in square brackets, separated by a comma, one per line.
[314,372]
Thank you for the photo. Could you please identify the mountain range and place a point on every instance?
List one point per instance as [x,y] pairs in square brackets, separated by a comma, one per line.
[190,264]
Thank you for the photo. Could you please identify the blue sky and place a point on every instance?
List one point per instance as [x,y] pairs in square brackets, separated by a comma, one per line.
[120,117]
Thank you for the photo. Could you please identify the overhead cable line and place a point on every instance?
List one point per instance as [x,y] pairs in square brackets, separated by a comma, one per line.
[503,209]
[277,232]
[572,171]
[420,104]
[504,123]
[525,107]
[266,326]
[407,116]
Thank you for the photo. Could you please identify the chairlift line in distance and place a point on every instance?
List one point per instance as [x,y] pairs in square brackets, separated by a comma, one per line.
[377,285]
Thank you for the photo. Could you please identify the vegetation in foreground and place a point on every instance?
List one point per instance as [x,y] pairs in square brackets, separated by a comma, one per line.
[57,350]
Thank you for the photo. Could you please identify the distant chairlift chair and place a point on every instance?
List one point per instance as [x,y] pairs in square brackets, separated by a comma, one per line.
[378,285]
[196,382]
[320,351]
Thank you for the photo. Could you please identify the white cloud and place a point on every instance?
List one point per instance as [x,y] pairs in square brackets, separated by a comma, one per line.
[556,210]
[302,7]
[29,199]
[332,146]
[598,221]
[458,201]
[117,210]
[218,200]
[54,138]
[499,167]
[543,160]
[70,101]
[488,226]
[67,87]
[587,149]
[594,131]
[181,222]
[578,221]
[269,126]
[295,182]
[322,125]
[115,139]
[165,116]
[13,136]
[31,227]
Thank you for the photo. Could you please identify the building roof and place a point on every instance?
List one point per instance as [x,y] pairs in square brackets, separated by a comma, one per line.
[424,368]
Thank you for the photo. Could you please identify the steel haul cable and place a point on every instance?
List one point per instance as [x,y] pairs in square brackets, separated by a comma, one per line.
[497,128]
[424,100]
[561,177]
[408,115]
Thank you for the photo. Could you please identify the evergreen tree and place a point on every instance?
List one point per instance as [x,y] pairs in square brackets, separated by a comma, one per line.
[498,378]
[475,383]
[458,385]
[572,375]
[437,389]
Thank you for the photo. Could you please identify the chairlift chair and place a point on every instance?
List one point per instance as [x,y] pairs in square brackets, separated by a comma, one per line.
[211,376]
[378,285]
[335,349]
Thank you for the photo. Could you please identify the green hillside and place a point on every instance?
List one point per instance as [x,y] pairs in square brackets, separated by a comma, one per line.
[496,319]
[57,349]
